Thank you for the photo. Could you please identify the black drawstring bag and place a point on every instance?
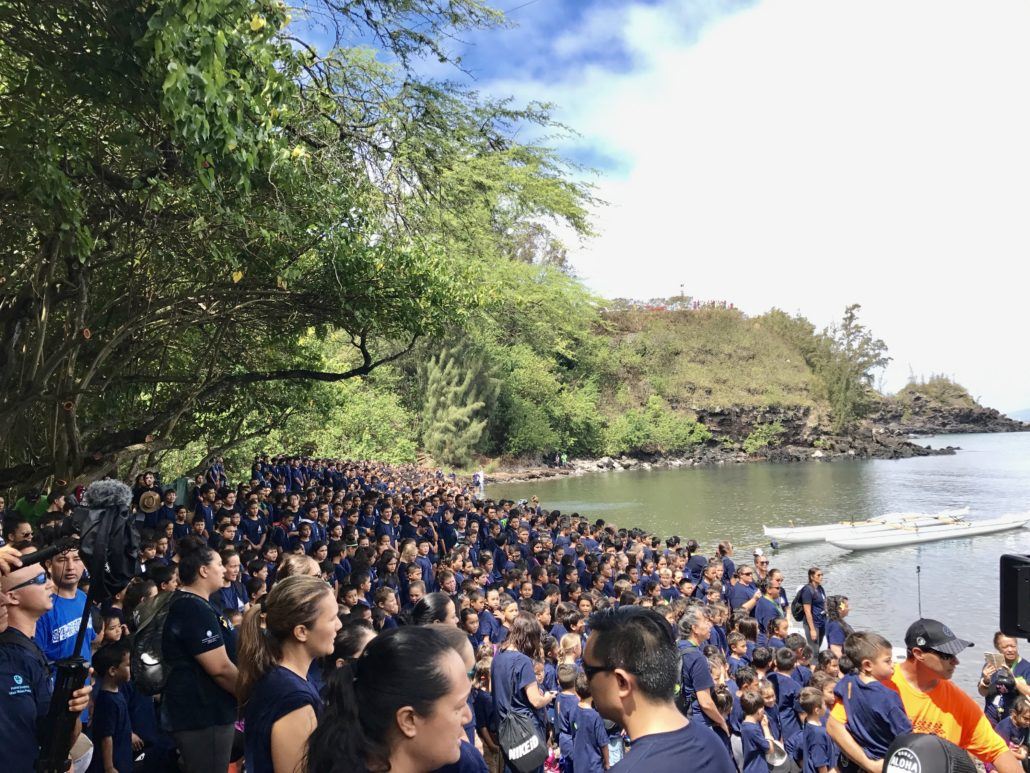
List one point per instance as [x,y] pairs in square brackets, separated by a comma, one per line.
[523,746]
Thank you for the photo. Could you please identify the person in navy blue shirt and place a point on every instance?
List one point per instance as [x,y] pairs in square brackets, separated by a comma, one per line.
[280,706]
[632,665]
[589,737]
[745,594]
[696,677]
[820,753]
[813,601]
[787,691]
[26,685]
[1015,728]
[113,739]
[756,736]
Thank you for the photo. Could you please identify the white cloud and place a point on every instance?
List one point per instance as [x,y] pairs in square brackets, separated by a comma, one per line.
[811,153]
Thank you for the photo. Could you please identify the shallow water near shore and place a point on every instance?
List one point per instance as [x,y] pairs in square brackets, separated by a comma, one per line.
[959,578]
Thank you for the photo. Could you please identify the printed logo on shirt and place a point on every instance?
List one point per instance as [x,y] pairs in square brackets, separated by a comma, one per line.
[19,687]
[66,631]
[903,761]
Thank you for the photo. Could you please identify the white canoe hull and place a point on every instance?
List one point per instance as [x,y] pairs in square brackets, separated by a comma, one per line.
[882,524]
[916,535]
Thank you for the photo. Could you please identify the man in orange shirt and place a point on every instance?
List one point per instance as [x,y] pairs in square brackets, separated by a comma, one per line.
[934,704]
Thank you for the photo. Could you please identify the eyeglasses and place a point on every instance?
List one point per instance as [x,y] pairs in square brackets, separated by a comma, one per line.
[947,657]
[39,579]
[747,574]
[762,563]
[591,671]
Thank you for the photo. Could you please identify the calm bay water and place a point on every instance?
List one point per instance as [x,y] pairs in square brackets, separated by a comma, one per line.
[959,578]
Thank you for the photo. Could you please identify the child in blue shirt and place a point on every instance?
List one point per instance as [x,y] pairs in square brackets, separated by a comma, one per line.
[820,753]
[738,657]
[755,736]
[565,707]
[589,738]
[1015,728]
[871,712]
[787,691]
[112,732]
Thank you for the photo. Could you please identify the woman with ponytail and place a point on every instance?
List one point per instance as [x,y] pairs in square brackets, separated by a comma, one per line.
[279,638]
[400,707]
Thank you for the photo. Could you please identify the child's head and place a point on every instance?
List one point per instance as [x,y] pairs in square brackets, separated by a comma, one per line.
[778,628]
[762,658]
[566,676]
[737,643]
[768,693]
[785,660]
[870,653]
[811,701]
[723,700]
[538,670]
[753,704]
[111,663]
[825,684]
[113,628]
[1020,712]
[829,663]
[746,679]
[582,686]
[235,618]
[483,666]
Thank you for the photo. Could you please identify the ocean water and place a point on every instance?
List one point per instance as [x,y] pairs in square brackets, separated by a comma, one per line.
[955,581]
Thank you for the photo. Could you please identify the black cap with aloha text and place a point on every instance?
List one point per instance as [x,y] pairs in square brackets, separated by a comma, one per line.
[929,634]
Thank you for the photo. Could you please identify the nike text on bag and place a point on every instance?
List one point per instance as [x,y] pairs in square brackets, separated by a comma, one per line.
[524,748]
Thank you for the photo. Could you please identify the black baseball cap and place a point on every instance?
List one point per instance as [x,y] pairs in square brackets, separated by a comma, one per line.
[927,634]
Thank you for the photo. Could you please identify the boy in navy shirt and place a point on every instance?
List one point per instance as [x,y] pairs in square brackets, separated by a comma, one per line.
[589,738]
[869,711]
[787,691]
[755,736]
[819,751]
[112,731]
[565,707]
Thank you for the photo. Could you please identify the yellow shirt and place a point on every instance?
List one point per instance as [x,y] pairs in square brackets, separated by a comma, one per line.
[948,712]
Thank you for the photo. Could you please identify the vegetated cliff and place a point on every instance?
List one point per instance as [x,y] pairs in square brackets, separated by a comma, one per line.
[751,382]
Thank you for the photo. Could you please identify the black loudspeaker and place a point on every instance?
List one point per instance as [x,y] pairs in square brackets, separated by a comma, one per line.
[920,753]
[1015,596]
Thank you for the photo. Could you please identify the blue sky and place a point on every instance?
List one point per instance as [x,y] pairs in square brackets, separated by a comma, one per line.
[799,154]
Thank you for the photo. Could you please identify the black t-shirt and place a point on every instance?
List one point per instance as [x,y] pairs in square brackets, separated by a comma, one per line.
[25,691]
[192,700]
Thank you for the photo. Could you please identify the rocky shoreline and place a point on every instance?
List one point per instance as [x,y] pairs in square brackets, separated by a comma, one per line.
[886,434]
[874,445]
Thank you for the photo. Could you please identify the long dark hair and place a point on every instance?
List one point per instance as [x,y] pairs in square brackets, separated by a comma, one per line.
[193,554]
[401,667]
[833,604]
[431,608]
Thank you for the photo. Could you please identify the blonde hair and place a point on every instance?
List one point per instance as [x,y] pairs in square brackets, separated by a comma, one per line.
[567,647]
[295,564]
[266,627]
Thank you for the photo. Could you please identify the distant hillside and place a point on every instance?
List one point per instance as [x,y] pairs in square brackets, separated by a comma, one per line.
[940,406]
[708,358]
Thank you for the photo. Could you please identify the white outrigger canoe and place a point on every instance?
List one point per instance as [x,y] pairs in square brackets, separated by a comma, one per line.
[848,529]
[912,535]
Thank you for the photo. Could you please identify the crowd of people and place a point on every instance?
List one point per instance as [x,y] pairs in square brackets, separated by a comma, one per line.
[341,617]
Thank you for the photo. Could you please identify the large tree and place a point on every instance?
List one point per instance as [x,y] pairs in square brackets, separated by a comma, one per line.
[190,190]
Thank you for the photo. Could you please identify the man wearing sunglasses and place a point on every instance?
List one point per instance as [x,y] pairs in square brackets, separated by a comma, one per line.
[936,705]
[632,665]
[26,685]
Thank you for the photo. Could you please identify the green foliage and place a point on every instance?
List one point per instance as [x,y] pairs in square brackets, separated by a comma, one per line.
[191,194]
[845,362]
[704,358]
[762,435]
[457,388]
[653,429]
[938,389]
